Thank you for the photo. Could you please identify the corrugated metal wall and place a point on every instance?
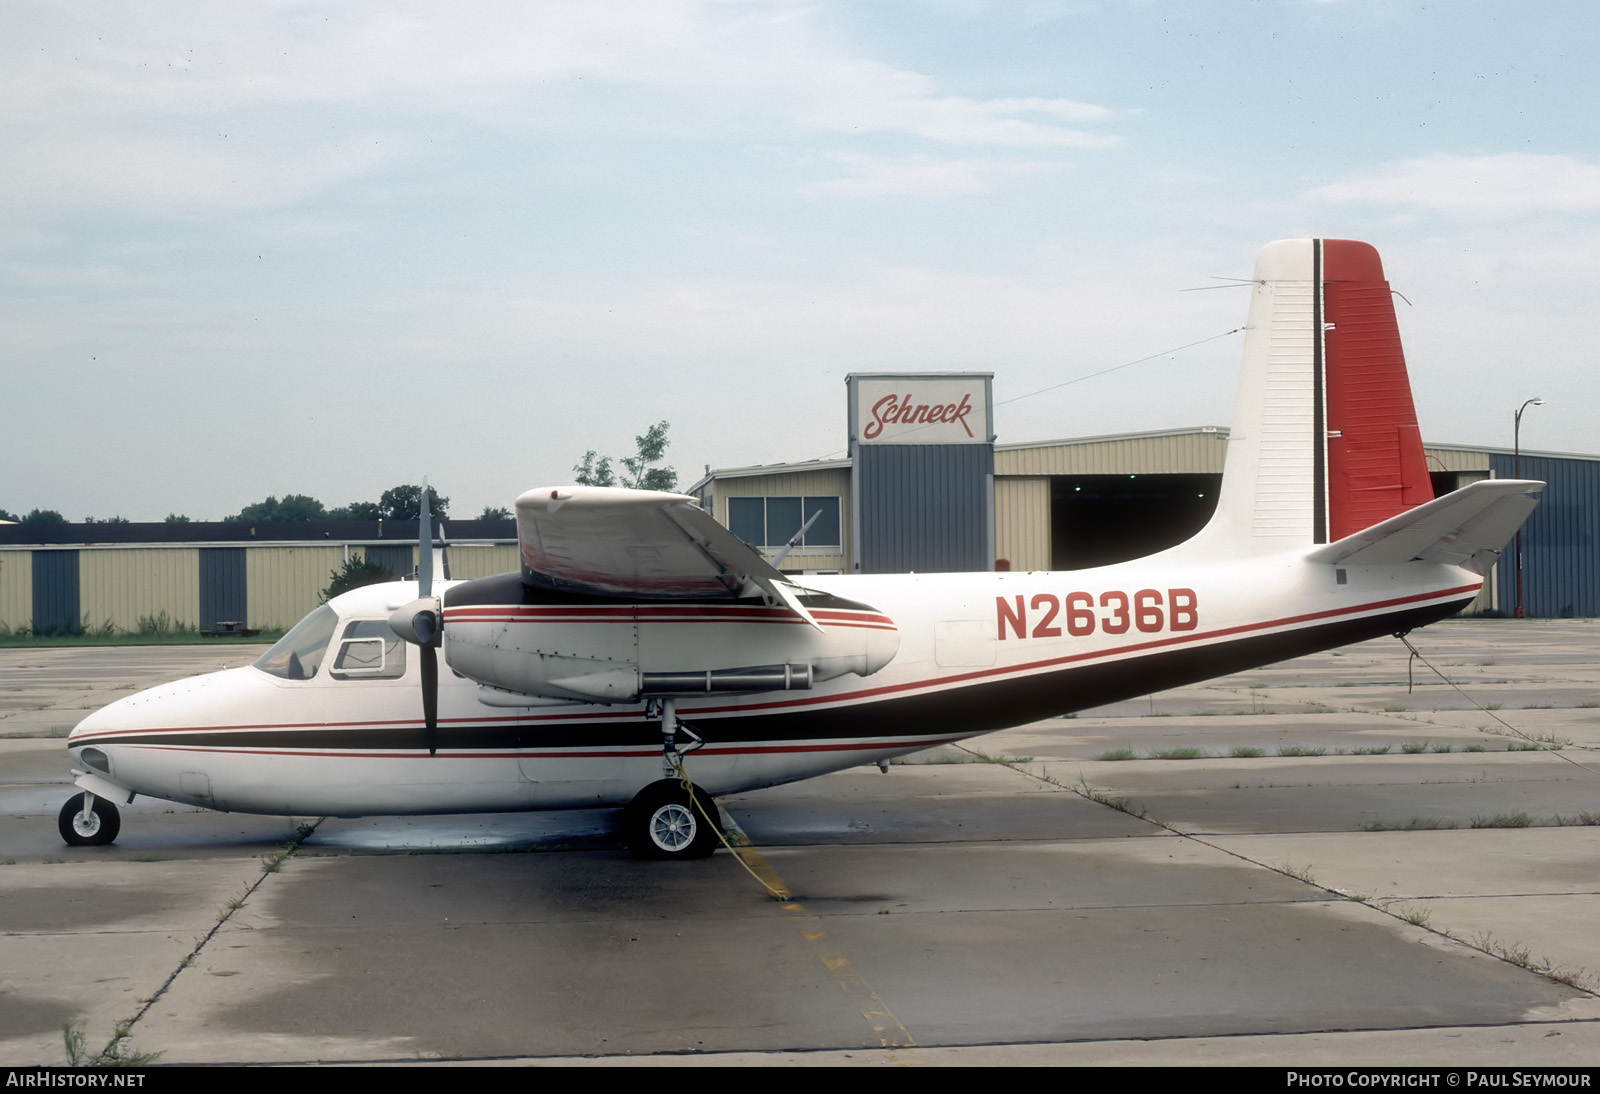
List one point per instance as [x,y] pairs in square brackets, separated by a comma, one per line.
[1168,453]
[284,583]
[118,586]
[266,586]
[1455,459]
[924,507]
[16,590]
[224,589]
[55,592]
[1560,542]
[482,560]
[1198,451]
[401,558]
[1022,522]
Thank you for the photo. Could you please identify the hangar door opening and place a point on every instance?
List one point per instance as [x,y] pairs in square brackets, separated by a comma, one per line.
[1096,520]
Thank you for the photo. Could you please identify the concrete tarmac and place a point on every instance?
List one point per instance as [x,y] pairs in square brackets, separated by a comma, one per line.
[1329,867]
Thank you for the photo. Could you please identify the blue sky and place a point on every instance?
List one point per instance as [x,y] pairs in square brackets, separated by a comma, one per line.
[325,248]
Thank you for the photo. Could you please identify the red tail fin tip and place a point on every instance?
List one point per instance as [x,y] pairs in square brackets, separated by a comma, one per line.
[1376,468]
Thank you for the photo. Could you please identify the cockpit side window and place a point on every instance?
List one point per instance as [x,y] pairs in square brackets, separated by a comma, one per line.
[298,654]
[369,650]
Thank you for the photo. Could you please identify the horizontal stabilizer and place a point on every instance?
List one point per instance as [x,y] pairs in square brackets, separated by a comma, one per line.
[1465,528]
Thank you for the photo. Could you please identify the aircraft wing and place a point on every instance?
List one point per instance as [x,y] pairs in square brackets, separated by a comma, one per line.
[607,541]
[1467,527]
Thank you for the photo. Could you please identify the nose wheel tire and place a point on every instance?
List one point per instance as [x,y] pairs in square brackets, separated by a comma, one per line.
[661,823]
[98,828]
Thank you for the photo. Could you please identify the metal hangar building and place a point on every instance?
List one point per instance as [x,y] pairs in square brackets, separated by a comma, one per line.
[926,488]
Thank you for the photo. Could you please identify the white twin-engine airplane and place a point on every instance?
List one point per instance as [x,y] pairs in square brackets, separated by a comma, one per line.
[642,644]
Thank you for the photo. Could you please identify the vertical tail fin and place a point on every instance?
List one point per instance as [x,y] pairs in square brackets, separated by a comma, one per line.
[1324,441]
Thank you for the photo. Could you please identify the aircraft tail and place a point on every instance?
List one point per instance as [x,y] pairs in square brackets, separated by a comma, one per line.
[1324,441]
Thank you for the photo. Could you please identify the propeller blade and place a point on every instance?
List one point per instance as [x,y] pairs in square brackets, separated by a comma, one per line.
[425,546]
[428,625]
[430,697]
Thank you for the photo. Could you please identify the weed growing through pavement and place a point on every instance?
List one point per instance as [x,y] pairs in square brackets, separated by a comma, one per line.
[1415,824]
[117,1053]
[1502,820]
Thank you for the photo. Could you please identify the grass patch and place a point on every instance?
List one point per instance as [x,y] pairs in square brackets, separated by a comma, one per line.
[1299,873]
[1371,750]
[1518,954]
[1502,820]
[1474,748]
[1301,750]
[117,1053]
[993,758]
[1532,746]
[1118,754]
[1121,805]
[1185,753]
[1415,824]
[1442,746]
[1412,748]
[1246,752]
[1581,818]
[1415,914]
[106,634]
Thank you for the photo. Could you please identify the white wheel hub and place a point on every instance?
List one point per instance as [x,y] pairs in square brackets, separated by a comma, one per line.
[672,827]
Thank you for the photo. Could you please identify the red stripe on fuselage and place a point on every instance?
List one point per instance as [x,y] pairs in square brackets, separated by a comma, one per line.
[576,753]
[848,698]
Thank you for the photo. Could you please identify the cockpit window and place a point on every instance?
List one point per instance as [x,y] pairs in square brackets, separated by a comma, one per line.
[298,654]
[369,650]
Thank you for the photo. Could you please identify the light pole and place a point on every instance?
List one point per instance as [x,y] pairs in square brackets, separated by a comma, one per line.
[1516,473]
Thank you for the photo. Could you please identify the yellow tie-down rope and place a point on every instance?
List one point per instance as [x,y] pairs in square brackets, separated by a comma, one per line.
[775,888]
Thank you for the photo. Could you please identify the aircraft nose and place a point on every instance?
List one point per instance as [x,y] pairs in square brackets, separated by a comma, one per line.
[102,721]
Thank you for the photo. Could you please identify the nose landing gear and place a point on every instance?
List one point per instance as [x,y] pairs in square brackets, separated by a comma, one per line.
[88,821]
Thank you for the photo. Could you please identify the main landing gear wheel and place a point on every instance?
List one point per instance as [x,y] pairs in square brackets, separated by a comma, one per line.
[661,823]
[99,827]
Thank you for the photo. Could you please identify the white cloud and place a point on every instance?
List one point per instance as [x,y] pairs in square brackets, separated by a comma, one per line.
[182,174]
[919,176]
[124,104]
[1491,186]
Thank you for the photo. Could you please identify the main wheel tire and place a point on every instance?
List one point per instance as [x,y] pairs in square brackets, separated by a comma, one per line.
[661,823]
[101,826]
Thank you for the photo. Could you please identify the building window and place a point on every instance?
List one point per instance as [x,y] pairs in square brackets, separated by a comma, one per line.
[771,522]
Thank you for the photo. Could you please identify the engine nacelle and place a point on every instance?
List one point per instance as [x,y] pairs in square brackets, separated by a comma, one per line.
[600,651]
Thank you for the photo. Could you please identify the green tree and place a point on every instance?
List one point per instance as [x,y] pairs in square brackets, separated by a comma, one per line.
[106,520]
[594,470]
[357,571]
[405,503]
[293,507]
[177,518]
[39,520]
[357,510]
[495,512]
[650,446]
[6,515]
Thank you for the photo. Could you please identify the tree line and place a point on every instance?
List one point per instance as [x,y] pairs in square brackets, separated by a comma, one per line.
[404,502]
